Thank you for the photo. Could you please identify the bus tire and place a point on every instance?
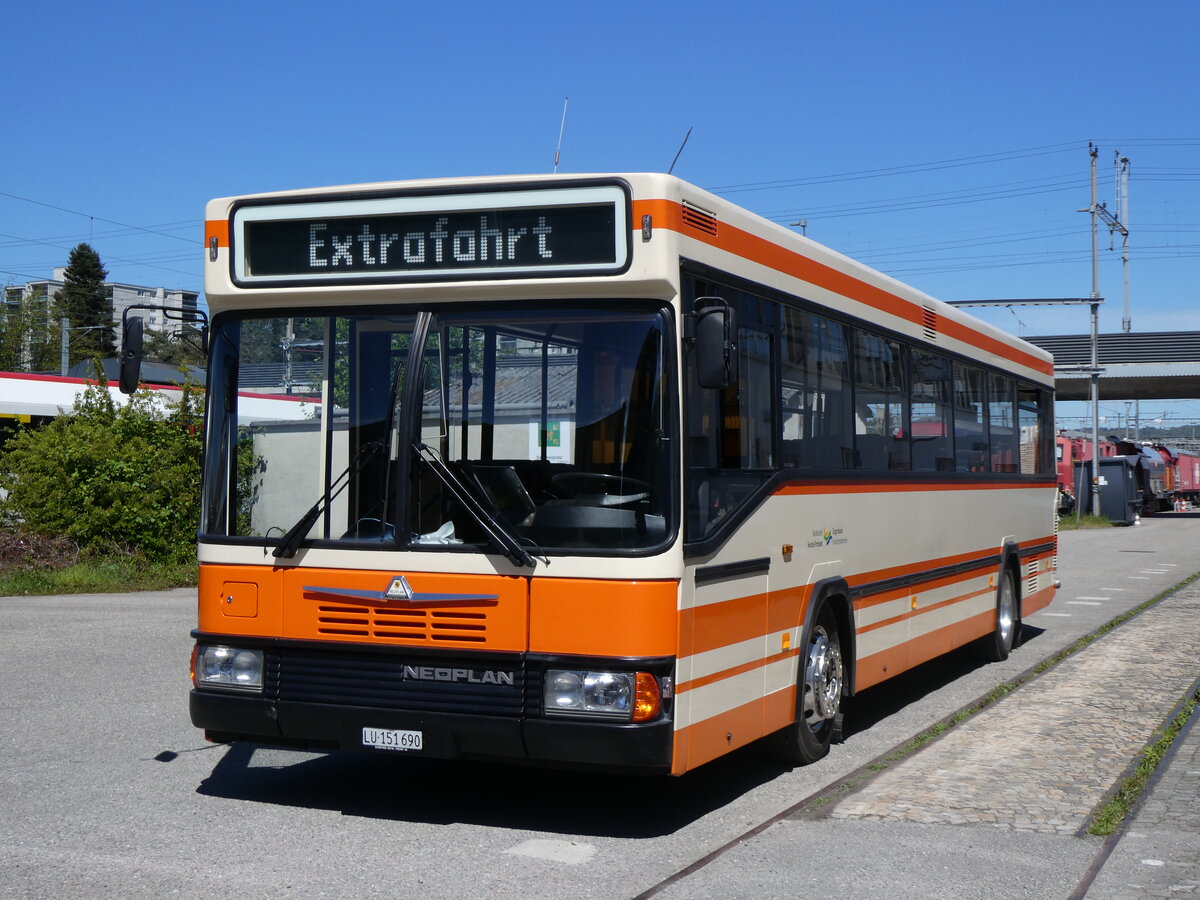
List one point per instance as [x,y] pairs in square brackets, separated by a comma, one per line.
[819,688]
[996,645]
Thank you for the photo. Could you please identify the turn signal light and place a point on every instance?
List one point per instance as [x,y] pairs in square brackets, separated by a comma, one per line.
[647,702]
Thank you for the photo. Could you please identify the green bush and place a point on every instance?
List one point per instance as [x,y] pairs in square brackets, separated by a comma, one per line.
[110,477]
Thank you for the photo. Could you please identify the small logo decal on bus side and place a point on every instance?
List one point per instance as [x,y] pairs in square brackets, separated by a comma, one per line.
[823,537]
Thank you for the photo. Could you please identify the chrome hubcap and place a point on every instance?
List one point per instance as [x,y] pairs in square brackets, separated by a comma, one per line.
[1006,612]
[822,679]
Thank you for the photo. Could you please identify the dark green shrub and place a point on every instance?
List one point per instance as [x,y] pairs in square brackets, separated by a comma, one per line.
[111,476]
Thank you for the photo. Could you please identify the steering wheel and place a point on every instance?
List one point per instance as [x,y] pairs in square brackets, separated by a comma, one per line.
[616,489]
[368,528]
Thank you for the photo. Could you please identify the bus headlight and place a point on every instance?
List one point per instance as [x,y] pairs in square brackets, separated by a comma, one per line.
[227,667]
[628,696]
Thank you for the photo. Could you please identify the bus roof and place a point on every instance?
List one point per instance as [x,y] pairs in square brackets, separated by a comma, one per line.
[660,220]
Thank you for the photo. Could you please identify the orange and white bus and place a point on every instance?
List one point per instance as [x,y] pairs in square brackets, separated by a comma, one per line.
[594,471]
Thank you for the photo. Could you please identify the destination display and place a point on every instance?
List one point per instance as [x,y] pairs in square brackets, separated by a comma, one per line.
[479,235]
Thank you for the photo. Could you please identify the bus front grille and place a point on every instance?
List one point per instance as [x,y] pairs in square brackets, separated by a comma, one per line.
[401,682]
[402,625]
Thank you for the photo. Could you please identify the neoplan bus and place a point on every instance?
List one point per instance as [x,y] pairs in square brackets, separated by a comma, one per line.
[593,471]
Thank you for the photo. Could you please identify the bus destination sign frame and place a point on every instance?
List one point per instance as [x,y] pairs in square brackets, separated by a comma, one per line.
[501,233]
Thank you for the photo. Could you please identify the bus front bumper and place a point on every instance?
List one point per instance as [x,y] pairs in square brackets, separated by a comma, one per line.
[227,717]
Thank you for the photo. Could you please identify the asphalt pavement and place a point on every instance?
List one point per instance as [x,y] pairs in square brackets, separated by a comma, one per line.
[106,790]
[1000,806]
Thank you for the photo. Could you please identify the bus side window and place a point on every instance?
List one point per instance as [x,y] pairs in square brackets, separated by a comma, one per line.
[880,403]
[731,432]
[818,419]
[932,437]
[1002,424]
[1033,411]
[970,422]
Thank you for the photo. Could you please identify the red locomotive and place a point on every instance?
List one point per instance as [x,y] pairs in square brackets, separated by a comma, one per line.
[1167,477]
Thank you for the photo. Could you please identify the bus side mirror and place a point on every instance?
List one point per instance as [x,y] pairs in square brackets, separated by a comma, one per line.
[131,354]
[716,345]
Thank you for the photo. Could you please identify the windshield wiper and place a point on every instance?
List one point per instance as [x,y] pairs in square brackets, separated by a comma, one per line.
[495,528]
[291,541]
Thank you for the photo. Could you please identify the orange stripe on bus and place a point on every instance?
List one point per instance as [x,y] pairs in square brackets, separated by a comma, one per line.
[750,666]
[984,556]
[219,229]
[1031,603]
[877,667]
[715,625]
[921,610]
[706,740]
[869,600]
[668,214]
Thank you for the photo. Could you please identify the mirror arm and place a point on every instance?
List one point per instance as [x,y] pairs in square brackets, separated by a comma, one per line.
[132,330]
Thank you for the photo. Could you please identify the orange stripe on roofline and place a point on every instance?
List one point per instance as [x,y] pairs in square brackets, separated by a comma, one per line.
[668,214]
[219,229]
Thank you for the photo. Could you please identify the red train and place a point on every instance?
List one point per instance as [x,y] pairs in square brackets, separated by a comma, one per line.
[1182,480]
[1167,477]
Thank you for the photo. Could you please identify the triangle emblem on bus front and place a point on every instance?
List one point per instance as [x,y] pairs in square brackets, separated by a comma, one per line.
[399,589]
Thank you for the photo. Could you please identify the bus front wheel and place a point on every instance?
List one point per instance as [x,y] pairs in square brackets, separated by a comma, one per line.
[819,702]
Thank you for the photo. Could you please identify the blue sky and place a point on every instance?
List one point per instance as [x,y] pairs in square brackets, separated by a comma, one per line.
[944,143]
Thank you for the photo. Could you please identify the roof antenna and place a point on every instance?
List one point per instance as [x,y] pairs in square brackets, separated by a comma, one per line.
[680,150]
[562,125]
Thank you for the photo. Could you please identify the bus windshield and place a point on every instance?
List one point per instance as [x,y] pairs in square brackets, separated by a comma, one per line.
[464,429]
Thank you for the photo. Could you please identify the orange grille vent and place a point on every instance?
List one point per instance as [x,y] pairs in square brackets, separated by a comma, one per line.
[699,219]
[930,322]
[402,625]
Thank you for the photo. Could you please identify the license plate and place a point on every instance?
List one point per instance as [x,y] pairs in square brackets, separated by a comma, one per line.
[391,739]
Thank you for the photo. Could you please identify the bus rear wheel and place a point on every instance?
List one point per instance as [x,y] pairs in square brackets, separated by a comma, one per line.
[820,684]
[995,646]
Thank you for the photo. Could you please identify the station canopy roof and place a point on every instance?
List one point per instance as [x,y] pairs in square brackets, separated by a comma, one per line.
[1151,365]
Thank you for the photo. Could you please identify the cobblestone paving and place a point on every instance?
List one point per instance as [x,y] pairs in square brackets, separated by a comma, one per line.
[1159,856]
[1041,759]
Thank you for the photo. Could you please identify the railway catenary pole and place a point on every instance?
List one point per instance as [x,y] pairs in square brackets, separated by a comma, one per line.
[1099,211]
[1122,225]
[1096,211]
[1095,376]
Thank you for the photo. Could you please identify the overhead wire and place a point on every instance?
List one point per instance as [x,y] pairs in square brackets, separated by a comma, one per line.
[939,165]
[907,203]
[76,212]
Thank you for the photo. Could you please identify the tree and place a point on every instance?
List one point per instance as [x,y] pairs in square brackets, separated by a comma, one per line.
[29,333]
[85,301]
[110,477]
